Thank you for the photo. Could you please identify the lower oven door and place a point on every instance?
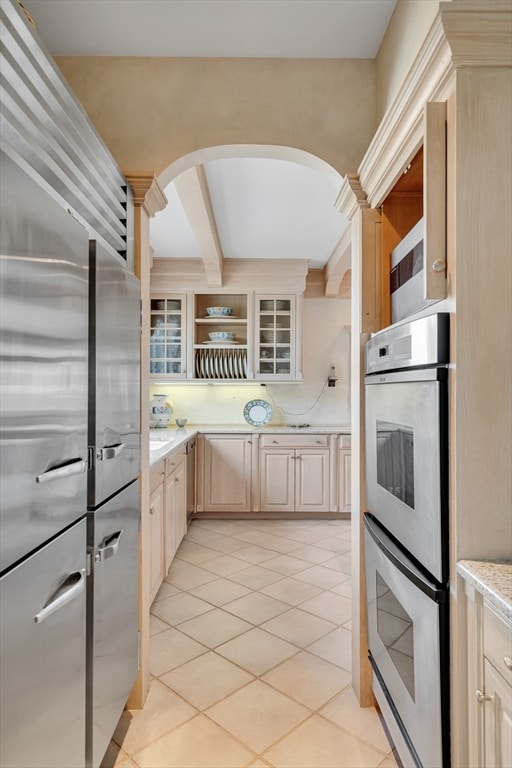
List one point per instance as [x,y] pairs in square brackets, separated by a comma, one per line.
[408,644]
[406,461]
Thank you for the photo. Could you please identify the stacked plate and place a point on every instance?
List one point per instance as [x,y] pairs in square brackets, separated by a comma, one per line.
[218,363]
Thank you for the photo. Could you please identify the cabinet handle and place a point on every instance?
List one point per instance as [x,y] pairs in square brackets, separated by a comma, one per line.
[274,442]
[482,698]
[508,662]
[151,510]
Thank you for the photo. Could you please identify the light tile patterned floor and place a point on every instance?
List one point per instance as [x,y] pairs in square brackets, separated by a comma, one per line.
[250,656]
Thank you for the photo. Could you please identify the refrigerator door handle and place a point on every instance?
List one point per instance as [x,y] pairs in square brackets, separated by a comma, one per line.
[110,452]
[71,588]
[75,467]
[108,547]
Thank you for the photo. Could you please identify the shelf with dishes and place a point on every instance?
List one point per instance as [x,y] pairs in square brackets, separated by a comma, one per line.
[220,361]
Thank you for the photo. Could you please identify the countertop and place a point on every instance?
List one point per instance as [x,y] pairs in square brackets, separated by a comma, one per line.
[493,579]
[173,438]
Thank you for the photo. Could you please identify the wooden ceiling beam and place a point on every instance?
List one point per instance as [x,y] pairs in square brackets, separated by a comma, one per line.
[192,188]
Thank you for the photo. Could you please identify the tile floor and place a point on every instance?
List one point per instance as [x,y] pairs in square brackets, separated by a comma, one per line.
[250,656]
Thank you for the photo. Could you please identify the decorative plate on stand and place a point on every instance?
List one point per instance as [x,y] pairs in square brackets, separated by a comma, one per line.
[257,413]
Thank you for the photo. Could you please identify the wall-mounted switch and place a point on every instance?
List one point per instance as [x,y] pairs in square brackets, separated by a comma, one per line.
[332,378]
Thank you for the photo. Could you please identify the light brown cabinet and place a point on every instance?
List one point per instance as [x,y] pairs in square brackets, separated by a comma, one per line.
[225,473]
[175,519]
[295,479]
[156,522]
[344,470]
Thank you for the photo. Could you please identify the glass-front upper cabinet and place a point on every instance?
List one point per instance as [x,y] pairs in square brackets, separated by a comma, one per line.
[275,337]
[167,337]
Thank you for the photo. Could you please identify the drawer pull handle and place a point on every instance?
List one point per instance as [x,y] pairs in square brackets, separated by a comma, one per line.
[151,510]
[482,698]
[508,662]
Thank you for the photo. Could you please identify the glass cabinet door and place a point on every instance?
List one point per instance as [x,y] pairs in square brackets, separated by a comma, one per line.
[167,337]
[275,337]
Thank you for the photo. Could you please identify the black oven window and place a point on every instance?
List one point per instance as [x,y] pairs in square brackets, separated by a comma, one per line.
[395,629]
[395,460]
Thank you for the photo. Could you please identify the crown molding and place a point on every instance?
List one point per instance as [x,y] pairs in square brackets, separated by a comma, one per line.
[147,192]
[465,33]
[351,196]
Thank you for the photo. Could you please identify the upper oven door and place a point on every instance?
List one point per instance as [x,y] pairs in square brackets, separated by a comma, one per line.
[406,461]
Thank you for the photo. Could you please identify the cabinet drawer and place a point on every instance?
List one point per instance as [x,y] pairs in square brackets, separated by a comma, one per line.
[498,642]
[155,476]
[173,462]
[295,441]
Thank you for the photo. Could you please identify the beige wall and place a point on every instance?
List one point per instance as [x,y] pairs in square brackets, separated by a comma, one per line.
[406,32]
[152,111]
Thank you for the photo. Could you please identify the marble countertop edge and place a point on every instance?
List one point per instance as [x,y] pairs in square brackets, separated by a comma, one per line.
[493,578]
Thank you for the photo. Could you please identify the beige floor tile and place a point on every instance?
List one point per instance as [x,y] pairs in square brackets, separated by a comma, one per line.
[389,762]
[255,554]
[337,545]
[206,680]
[228,545]
[115,758]
[320,744]
[162,712]
[312,554]
[220,591]
[256,577]
[256,651]
[308,679]
[340,563]
[283,545]
[197,744]
[335,608]
[171,648]
[365,723]
[259,764]
[291,591]
[215,627]
[202,535]
[298,627]
[257,715]
[187,576]
[345,588]
[335,647]
[179,608]
[156,625]
[192,552]
[224,527]
[224,565]
[166,590]
[321,577]
[256,607]
[287,565]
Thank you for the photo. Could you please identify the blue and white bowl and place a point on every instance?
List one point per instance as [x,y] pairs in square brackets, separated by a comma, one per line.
[218,311]
[221,336]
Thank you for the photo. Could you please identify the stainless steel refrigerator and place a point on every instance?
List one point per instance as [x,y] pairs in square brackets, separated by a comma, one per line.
[69,459]
[113,494]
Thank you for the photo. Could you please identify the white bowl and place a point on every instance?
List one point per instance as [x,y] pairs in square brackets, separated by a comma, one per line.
[218,311]
[221,336]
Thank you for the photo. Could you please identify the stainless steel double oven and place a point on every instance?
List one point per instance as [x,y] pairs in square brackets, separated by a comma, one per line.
[406,535]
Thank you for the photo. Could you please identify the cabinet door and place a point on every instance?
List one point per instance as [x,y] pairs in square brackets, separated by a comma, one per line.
[277,480]
[227,473]
[167,337]
[344,500]
[275,337]
[175,510]
[498,719]
[156,516]
[312,490]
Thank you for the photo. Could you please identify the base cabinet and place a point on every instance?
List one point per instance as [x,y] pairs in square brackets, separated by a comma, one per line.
[344,470]
[175,520]
[156,521]
[225,472]
[294,479]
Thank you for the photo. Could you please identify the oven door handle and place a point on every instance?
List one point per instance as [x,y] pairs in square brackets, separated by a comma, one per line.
[431,588]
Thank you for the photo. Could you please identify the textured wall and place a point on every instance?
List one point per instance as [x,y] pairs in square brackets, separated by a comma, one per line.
[152,111]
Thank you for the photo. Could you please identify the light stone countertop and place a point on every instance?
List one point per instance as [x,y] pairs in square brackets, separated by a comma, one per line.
[173,439]
[493,579]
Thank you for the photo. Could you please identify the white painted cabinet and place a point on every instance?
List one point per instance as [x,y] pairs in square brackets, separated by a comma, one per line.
[489,647]
[156,522]
[225,473]
[344,469]
[295,478]
[175,521]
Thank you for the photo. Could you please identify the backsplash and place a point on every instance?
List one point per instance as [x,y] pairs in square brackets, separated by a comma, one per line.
[326,342]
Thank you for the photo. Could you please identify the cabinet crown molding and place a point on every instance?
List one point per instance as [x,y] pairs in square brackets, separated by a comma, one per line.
[147,192]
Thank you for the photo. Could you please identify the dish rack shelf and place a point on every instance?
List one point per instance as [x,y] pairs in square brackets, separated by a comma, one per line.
[220,363]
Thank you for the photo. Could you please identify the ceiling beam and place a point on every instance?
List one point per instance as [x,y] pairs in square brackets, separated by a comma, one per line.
[192,188]
[338,265]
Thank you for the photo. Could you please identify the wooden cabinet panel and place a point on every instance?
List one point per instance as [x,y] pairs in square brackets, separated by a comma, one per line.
[277,480]
[175,508]
[312,480]
[156,517]
[295,480]
[227,474]
[344,470]
[497,719]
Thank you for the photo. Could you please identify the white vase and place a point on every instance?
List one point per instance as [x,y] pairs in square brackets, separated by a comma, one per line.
[160,411]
